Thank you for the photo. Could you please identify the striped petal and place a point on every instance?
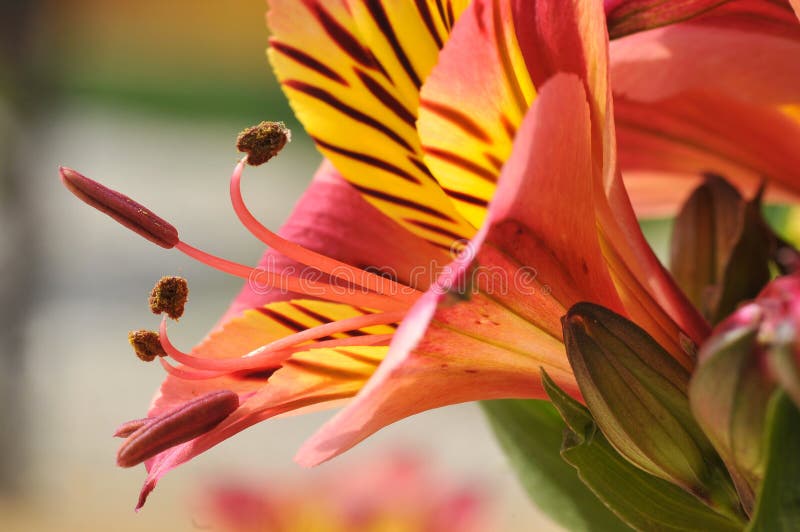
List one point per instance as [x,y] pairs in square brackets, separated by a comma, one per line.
[353,79]
[310,379]
[333,219]
[251,330]
[665,146]
[472,104]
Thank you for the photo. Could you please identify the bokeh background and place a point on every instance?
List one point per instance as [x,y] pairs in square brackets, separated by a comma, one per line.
[148,96]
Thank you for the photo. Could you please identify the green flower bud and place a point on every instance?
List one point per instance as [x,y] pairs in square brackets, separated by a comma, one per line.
[637,394]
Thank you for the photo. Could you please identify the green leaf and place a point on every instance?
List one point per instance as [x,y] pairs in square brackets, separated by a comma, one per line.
[778,506]
[530,433]
[643,501]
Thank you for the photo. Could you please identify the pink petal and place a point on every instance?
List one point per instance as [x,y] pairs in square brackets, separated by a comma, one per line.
[700,132]
[757,66]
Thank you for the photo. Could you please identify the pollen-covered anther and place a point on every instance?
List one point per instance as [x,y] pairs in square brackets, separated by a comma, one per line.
[191,420]
[146,345]
[263,142]
[169,296]
[123,209]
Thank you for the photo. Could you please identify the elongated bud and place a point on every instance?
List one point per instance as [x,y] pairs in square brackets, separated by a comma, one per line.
[721,248]
[263,142]
[631,16]
[169,296]
[637,394]
[123,209]
[193,419]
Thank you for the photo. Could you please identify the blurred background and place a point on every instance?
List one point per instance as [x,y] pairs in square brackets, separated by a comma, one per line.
[148,97]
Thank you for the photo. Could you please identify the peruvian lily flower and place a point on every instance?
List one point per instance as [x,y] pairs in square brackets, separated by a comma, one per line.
[717,93]
[490,123]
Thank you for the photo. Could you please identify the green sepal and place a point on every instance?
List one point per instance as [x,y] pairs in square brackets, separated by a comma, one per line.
[641,500]
[530,433]
[637,394]
[778,506]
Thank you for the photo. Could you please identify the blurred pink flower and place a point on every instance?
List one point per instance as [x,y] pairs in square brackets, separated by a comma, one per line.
[397,493]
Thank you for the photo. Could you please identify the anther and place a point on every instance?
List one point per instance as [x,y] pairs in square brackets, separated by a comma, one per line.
[263,142]
[146,344]
[129,427]
[169,296]
[191,420]
[123,209]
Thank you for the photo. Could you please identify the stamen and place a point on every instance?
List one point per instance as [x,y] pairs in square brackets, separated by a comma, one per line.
[129,427]
[266,278]
[137,218]
[190,374]
[191,420]
[169,296]
[146,345]
[123,209]
[263,142]
[262,360]
[320,331]
[323,263]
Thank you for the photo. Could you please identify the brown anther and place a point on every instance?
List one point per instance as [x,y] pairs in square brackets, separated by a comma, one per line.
[263,142]
[146,344]
[123,209]
[169,295]
[191,420]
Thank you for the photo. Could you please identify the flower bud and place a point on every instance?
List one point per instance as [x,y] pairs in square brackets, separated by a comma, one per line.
[740,366]
[721,248]
[637,394]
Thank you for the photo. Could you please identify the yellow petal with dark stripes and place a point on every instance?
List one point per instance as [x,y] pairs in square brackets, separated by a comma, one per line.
[352,72]
[318,378]
[262,325]
[472,104]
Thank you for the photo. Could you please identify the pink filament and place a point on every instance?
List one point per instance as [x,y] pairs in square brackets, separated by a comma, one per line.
[338,294]
[268,359]
[327,329]
[294,251]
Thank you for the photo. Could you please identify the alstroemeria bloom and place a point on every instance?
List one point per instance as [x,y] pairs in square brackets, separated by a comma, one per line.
[717,93]
[428,114]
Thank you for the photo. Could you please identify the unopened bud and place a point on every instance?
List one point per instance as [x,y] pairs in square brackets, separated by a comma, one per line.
[632,16]
[637,394]
[721,248]
[123,209]
[747,358]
